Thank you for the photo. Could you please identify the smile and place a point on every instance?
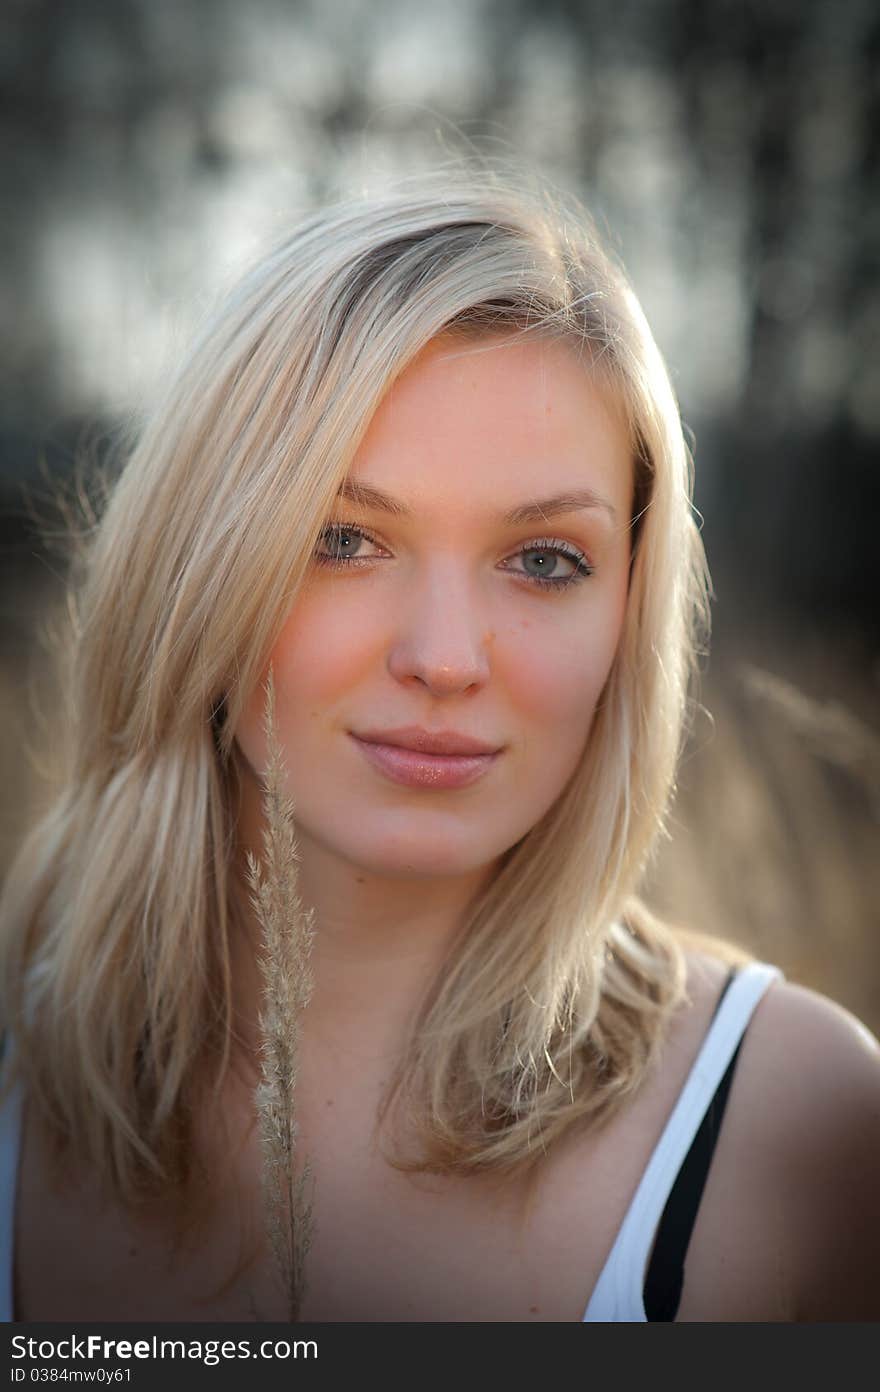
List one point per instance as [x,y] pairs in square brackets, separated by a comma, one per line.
[415,769]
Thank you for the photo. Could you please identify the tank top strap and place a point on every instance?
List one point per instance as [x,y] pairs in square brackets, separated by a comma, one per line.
[618,1294]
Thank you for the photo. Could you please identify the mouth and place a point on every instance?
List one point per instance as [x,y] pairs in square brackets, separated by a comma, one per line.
[429,741]
[420,768]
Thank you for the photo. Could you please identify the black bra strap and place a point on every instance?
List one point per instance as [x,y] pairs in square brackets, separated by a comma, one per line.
[665,1277]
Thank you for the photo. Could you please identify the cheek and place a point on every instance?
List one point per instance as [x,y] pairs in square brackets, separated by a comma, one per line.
[325,647]
[548,667]
[555,670]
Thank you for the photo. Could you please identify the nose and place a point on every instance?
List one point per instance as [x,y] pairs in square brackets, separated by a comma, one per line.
[439,638]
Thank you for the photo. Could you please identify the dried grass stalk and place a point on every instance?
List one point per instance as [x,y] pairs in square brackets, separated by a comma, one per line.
[285,964]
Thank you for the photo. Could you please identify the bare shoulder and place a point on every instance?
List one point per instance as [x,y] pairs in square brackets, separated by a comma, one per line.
[789,1225]
[824,1033]
[807,1102]
[816,1066]
[790,1023]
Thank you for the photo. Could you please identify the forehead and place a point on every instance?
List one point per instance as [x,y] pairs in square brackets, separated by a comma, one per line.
[485,422]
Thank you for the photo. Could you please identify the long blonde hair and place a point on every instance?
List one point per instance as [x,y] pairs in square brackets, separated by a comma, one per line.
[116,915]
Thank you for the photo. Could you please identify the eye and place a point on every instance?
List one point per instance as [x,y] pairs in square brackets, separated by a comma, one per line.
[542,564]
[550,564]
[341,543]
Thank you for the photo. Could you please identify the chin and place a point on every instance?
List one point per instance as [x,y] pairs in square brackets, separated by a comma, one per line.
[420,857]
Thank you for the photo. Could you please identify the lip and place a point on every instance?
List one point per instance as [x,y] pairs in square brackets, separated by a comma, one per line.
[426,742]
[415,768]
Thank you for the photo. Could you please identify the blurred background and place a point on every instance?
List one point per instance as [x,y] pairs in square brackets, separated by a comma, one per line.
[730,150]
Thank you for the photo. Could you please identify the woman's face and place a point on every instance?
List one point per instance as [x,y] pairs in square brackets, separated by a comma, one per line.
[442,610]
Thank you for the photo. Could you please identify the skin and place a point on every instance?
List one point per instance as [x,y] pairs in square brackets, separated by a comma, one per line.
[438,624]
[438,629]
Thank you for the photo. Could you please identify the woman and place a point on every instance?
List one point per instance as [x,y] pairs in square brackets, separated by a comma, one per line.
[409,543]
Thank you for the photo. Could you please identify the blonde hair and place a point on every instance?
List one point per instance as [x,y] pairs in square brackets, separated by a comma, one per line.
[118,911]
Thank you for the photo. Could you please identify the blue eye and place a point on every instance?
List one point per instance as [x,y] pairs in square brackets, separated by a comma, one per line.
[341,543]
[545,556]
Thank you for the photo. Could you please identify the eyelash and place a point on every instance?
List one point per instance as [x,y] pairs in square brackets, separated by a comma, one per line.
[583,568]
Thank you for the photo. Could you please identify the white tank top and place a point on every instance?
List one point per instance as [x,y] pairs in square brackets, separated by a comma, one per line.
[617,1296]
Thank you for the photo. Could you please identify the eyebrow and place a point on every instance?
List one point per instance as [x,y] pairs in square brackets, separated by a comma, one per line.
[538,510]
